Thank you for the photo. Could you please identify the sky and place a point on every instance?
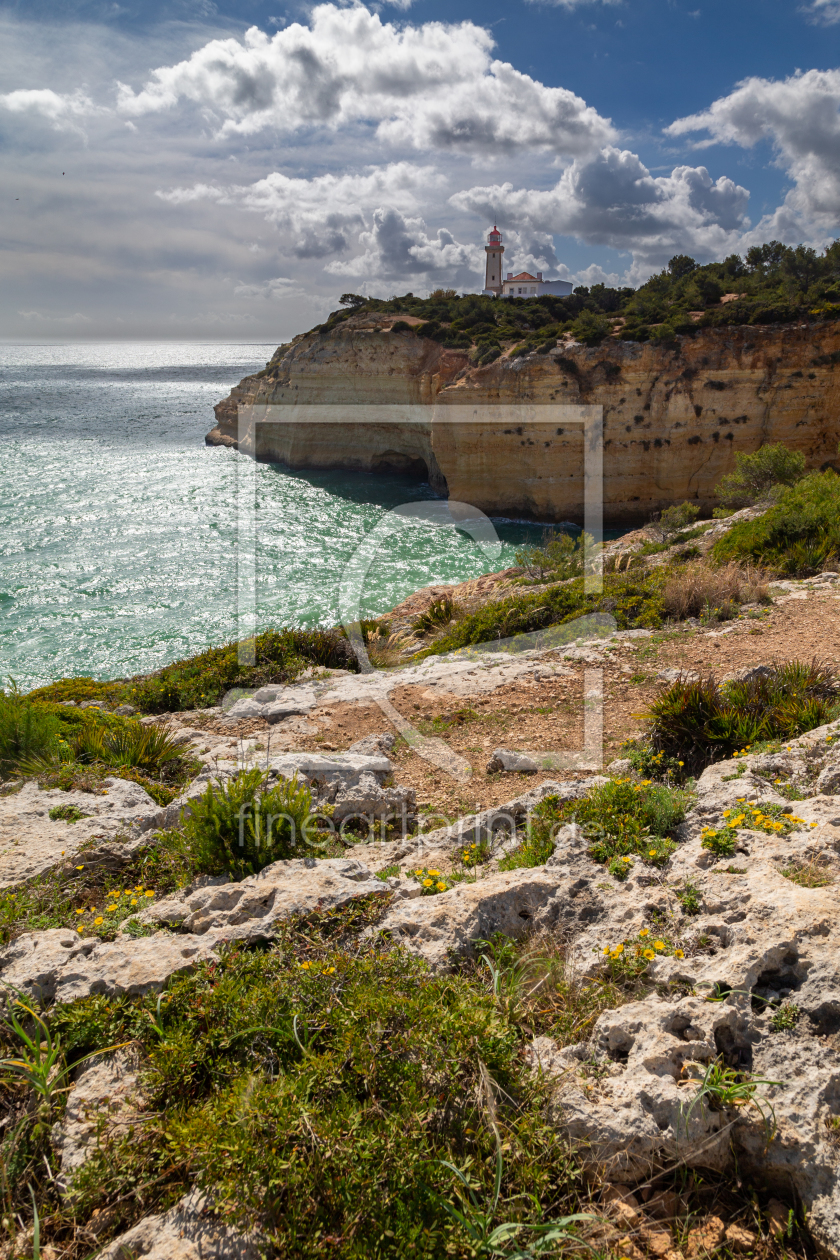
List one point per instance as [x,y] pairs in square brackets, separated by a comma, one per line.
[225,171]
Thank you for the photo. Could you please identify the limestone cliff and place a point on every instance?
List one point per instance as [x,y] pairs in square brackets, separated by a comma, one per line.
[674,415]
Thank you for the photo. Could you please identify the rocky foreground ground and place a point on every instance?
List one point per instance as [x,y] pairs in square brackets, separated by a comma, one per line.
[437,748]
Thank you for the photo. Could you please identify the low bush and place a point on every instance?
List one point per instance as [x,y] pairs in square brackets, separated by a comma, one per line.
[324,1096]
[677,518]
[796,537]
[703,720]
[240,826]
[560,557]
[621,819]
[760,474]
[133,747]
[200,681]
[697,588]
[632,600]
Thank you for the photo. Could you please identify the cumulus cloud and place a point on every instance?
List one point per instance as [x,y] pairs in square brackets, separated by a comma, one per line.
[319,217]
[397,247]
[612,199]
[432,86]
[62,109]
[800,118]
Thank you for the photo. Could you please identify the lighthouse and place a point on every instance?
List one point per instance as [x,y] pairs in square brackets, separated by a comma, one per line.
[493,272]
[523,285]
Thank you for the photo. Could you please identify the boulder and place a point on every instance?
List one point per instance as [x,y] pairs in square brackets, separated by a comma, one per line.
[326,774]
[828,780]
[275,703]
[57,965]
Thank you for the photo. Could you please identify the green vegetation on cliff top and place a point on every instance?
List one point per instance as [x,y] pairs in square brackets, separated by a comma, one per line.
[772,284]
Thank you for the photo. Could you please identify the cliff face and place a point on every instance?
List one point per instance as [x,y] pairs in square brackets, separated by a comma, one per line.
[674,416]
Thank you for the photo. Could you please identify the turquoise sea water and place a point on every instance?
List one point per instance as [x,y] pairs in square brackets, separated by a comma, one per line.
[119,527]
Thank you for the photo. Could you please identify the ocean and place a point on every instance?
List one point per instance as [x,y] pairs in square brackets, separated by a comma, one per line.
[119,528]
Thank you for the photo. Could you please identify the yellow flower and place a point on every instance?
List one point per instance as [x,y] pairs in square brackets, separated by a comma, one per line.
[727,812]
[80,868]
[678,953]
[618,949]
[651,852]
[814,824]
[306,965]
[648,953]
[81,911]
[441,887]
[658,944]
[431,872]
[80,929]
[110,909]
[150,892]
[134,901]
[329,971]
[606,949]
[427,883]
[626,859]
[680,763]
[98,920]
[644,931]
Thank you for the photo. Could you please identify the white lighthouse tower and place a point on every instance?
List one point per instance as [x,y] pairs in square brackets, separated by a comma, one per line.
[493,271]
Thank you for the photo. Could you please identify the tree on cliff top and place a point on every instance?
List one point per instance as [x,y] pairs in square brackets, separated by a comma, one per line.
[760,475]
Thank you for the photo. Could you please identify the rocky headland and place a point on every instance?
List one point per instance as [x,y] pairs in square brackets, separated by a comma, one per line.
[675,413]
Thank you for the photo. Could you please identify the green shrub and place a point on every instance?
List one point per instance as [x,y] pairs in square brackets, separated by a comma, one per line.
[560,557]
[759,473]
[78,690]
[129,746]
[677,518]
[148,748]
[26,731]
[66,813]
[240,826]
[701,721]
[797,536]
[590,328]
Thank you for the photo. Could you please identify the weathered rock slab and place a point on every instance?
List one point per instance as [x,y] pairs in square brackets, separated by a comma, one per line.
[251,907]
[103,1103]
[188,1231]
[31,842]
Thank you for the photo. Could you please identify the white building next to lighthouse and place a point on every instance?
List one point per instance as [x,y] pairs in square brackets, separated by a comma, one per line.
[522,286]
